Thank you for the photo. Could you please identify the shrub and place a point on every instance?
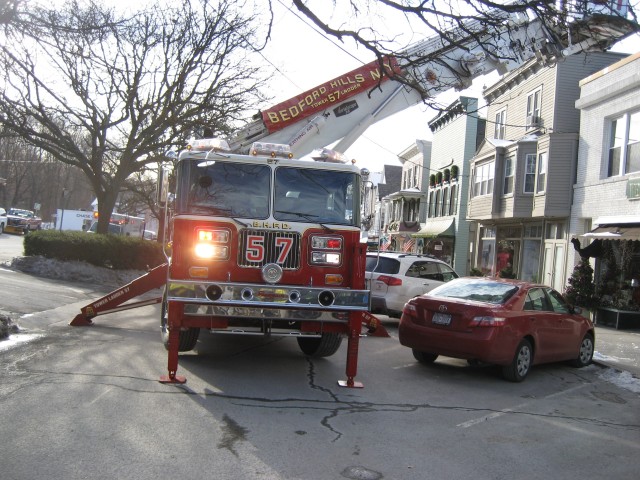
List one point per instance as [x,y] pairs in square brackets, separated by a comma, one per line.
[112,251]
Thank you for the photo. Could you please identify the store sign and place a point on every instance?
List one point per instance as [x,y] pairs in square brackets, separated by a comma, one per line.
[633,188]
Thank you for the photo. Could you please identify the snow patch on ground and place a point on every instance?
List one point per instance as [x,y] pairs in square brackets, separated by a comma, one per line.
[604,358]
[15,340]
[621,379]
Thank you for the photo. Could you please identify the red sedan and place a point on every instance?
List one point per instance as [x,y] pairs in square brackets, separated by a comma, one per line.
[510,323]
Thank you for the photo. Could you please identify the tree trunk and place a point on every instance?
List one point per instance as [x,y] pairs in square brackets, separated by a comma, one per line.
[106,204]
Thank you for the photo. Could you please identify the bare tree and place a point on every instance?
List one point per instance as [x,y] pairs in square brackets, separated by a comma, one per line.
[108,93]
[470,25]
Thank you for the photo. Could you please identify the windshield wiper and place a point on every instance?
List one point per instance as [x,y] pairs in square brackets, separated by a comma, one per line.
[219,211]
[307,216]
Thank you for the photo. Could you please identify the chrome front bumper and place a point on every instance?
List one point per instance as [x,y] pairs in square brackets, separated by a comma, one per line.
[225,299]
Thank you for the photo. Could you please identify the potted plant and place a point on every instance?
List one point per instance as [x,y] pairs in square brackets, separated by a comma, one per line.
[454,172]
[439,178]
[447,175]
[432,180]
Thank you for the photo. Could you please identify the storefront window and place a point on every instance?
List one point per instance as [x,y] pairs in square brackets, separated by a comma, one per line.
[508,251]
[531,247]
[487,250]
[441,248]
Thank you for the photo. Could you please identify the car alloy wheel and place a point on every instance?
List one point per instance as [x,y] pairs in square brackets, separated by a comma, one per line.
[519,367]
[586,352]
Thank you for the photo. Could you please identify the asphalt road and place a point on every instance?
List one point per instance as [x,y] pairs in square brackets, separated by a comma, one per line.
[84,402]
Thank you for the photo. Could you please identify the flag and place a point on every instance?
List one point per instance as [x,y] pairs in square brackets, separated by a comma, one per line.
[385,243]
[408,245]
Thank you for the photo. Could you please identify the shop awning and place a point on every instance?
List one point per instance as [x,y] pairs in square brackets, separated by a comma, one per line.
[437,227]
[615,232]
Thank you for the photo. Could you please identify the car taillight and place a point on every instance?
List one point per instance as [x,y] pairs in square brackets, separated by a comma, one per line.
[410,310]
[326,250]
[390,281]
[487,322]
[212,244]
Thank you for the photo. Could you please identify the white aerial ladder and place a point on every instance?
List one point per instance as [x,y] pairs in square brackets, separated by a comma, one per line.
[344,107]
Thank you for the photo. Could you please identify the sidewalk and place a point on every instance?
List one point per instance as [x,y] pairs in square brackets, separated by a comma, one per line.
[619,349]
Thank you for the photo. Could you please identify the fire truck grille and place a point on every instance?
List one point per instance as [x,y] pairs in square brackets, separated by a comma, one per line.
[259,247]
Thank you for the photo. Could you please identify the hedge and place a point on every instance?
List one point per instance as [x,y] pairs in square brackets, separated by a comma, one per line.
[111,251]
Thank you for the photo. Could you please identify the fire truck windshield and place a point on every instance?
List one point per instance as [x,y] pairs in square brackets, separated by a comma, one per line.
[224,188]
[323,196]
[244,190]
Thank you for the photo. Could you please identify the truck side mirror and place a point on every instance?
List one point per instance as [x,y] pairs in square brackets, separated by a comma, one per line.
[162,188]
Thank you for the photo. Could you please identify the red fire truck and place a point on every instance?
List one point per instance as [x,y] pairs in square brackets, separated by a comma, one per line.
[264,244]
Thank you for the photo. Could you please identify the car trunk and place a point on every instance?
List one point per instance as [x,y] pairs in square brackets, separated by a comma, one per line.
[453,316]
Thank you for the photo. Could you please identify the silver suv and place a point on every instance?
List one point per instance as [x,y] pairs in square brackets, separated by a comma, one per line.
[395,278]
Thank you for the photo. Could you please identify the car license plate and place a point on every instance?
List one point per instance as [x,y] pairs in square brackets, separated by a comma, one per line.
[441,318]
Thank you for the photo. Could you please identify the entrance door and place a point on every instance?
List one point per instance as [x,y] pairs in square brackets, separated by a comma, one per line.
[554,260]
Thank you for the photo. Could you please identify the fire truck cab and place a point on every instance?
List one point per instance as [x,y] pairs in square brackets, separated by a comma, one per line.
[263,244]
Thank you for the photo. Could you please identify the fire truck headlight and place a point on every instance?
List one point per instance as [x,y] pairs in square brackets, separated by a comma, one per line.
[206,250]
[325,258]
[211,244]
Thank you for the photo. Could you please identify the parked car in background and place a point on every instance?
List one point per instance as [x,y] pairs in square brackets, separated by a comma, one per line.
[395,278]
[3,219]
[22,221]
[149,235]
[511,323]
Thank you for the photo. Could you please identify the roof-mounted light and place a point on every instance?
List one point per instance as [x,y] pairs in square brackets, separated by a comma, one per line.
[209,144]
[271,150]
[328,155]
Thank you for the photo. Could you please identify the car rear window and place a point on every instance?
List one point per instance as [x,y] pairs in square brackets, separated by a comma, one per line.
[476,290]
[382,265]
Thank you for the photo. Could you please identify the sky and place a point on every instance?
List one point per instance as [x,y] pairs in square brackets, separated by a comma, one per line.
[304,59]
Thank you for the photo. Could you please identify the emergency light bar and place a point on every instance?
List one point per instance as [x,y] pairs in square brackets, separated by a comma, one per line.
[328,155]
[208,145]
[271,150]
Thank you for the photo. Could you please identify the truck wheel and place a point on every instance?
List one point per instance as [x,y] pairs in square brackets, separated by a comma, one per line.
[324,346]
[188,337]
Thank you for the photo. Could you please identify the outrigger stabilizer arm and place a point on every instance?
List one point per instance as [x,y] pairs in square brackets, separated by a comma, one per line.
[113,301]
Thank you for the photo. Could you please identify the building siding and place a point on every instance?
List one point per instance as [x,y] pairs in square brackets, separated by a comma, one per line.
[604,96]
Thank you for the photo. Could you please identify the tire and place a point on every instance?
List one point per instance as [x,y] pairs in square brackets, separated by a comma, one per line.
[188,337]
[424,357]
[519,367]
[324,346]
[585,355]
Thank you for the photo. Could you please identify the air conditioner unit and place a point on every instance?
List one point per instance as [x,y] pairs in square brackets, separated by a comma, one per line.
[533,121]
